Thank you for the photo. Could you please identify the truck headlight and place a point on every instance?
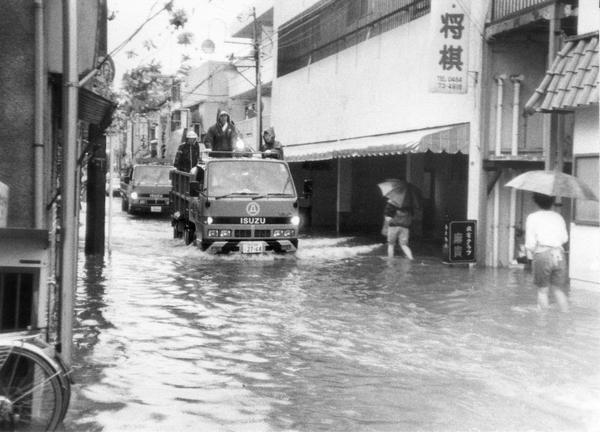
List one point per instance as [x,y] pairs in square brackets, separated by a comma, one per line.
[134,195]
[295,220]
[225,233]
[213,233]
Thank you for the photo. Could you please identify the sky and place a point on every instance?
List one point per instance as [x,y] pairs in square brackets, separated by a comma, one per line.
[208,19]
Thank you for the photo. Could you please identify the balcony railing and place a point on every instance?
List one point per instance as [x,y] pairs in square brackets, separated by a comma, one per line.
[505,8]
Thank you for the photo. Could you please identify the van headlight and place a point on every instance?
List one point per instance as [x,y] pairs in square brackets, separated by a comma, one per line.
[295,220]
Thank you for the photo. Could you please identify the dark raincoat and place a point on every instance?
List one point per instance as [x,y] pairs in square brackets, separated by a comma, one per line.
[271,149]
[218,139]
[187,155]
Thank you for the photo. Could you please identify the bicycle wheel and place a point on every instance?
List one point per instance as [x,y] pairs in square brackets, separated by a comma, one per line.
[31,388]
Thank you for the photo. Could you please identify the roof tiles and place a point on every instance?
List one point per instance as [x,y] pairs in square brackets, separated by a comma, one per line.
[572,80]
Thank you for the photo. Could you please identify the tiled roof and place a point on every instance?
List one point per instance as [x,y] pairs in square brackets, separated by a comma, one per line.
[572,80]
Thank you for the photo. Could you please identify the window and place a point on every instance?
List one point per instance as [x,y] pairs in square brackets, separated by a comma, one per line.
[18,291]
[586,169]
[175,120]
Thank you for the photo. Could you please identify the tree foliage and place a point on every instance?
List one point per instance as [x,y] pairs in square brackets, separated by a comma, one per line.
[145,88]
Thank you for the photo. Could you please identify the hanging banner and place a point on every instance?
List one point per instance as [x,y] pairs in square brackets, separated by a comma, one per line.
[450,40]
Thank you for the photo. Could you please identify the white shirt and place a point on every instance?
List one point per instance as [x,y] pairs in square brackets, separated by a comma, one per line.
[545,229]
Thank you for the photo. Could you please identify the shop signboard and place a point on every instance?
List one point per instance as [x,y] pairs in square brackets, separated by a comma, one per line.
[459,241]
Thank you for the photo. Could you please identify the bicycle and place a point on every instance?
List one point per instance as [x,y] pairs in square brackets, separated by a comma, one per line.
[35,386]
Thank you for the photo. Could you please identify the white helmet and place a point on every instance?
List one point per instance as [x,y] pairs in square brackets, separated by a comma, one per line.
[191,134]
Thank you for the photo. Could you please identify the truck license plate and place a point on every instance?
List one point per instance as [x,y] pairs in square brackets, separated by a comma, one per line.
[155,209]
[252,247]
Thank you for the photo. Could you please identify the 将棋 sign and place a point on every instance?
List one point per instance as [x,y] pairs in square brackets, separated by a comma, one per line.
[449,47]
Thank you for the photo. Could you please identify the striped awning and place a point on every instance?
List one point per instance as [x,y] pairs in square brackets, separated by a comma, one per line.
[449,139]
[572,80]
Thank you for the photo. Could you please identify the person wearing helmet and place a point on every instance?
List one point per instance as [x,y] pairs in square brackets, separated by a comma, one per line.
[187,153]
[221,136]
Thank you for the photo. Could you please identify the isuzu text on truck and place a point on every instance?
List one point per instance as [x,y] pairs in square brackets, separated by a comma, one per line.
[243,204]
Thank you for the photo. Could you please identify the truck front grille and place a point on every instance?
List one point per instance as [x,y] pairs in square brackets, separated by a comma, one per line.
[262,233]
[242,233]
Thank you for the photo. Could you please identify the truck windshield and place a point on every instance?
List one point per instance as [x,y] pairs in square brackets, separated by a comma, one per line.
[152,175]
[245,177]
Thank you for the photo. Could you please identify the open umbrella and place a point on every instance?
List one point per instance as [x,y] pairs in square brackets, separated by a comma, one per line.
[400,193]
[552,183]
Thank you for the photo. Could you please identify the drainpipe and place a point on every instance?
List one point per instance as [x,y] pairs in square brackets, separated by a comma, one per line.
[69,225]
[38,117]
[499,105]
[498,152]
[516,80]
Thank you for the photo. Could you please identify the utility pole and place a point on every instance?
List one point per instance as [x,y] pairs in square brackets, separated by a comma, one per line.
[257,41]
[68,229]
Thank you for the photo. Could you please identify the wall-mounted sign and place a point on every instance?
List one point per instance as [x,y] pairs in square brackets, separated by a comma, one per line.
[449,48]
[459,241]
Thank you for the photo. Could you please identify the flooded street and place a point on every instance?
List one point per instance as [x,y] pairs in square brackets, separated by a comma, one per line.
[336,338]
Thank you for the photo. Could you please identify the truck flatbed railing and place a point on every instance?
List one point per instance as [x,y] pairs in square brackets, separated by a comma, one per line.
[223,154]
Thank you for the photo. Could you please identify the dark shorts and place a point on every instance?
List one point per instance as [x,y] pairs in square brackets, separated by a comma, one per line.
[550,269]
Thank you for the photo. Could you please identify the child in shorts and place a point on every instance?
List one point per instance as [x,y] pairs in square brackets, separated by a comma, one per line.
[545,235]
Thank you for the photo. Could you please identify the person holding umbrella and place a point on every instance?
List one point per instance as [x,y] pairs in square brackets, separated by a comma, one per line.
[545,235]
[546,230]
[398,214]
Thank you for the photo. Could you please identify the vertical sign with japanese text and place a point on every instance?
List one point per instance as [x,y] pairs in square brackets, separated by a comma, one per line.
[460,238]
[449,48]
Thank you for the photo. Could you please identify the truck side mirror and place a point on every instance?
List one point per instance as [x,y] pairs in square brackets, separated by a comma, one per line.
[194,188]
[126,179]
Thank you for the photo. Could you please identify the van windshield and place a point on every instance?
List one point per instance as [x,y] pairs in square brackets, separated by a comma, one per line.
[244,177]
[152,175]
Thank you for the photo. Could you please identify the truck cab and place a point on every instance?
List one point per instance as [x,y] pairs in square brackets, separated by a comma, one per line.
[243,204]
[145,188]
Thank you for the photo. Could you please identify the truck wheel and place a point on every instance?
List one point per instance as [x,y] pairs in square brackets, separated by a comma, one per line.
[204,244]
[175,232]
[129,209]
[188,235]
[123,204]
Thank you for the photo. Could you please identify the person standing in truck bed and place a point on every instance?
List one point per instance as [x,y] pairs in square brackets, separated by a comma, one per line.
[187,153]
[270,147]
[221,136]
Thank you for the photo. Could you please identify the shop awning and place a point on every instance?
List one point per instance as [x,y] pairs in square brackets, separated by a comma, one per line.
[449,139]
[95,109]
[571,81]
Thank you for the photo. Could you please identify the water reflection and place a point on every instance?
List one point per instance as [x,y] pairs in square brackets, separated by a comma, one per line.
[336,338]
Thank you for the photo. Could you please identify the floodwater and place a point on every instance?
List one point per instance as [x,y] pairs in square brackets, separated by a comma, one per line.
[337,338]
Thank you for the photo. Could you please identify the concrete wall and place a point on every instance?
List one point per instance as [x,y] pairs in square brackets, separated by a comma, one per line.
[588,18]
[16,110]
[584,264]
[515,56]
[377,86]
[207,82]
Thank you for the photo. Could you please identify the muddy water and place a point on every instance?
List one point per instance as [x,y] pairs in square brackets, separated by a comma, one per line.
[337,338]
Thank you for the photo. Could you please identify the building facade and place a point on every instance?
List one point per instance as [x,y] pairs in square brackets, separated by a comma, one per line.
[33,143]
[370,90]
[367,90]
